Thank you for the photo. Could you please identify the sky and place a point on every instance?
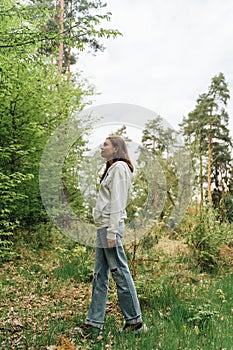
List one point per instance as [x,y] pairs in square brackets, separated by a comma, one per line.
[168,54]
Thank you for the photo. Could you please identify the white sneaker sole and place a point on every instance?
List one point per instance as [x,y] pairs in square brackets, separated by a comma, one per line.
[143,329]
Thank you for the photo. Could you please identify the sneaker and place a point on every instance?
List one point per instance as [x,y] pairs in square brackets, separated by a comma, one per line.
[135,328]
[88,331]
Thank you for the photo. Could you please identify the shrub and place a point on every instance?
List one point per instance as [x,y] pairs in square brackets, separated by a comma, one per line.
[205,234]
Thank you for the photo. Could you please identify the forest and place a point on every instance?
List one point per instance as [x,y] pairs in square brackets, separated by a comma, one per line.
[180,223]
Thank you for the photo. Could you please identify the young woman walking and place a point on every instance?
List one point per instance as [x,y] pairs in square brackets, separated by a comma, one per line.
[109,215]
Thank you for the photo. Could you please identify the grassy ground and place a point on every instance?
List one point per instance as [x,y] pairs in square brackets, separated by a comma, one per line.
[46,293]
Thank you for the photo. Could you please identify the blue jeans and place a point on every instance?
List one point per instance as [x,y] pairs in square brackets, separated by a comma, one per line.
[114,261]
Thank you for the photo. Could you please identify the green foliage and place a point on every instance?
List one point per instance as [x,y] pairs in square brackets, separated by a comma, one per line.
[76,264]
[227,207]
[25,125]
[159,171]
[11,196]
[35,100]
[205,234]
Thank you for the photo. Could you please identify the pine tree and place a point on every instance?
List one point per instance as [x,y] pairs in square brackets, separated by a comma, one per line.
[207,134]
[78,24]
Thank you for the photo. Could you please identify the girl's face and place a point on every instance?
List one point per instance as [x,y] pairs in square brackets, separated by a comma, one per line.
[108,150]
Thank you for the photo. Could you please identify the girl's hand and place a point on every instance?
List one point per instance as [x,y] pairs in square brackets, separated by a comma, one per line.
[111,243]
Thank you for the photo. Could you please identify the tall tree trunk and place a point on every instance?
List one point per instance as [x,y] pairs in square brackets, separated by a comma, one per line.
[69,48]
[201,181]
[210,158]
[52,43]
[61,30]
[222,199]
[68,66]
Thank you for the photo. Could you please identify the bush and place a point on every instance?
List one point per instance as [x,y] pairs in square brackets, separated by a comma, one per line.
[205,234]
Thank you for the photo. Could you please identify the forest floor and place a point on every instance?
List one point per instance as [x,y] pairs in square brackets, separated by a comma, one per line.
[45,294]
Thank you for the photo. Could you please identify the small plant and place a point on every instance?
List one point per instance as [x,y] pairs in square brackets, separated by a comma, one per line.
[200,314]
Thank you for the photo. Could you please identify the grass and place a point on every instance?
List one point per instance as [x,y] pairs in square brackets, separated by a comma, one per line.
[46,293]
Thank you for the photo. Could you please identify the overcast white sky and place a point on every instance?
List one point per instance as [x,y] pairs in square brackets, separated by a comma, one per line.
[168,54]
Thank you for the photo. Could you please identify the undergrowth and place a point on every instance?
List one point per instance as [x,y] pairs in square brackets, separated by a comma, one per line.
[45,294]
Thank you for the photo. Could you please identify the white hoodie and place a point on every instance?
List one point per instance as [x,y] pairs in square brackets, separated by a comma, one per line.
[112,198]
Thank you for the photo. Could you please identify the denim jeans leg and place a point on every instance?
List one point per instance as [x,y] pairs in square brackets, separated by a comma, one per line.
[113,260]
[126,291]
[96,312]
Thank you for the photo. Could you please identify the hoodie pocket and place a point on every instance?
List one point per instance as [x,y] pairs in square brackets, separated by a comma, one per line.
[99,212]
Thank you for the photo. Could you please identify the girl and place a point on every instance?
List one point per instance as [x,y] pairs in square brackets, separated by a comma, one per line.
[109,215]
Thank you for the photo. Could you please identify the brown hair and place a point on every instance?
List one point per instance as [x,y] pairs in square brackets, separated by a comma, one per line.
[121,154]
